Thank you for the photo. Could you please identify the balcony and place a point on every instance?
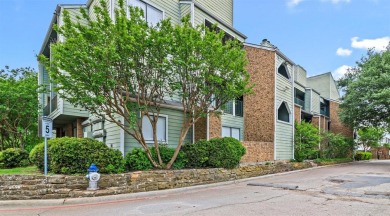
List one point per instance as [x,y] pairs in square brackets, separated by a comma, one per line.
[46,109]
[324,112]
[299,102]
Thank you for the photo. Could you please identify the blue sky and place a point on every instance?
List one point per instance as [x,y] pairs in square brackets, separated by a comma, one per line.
[320,35]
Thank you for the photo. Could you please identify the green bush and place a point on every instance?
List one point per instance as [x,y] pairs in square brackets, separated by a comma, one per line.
[336,146]
[197,154]
[306,141]
[218,152]
[70,155]
[137,159]
[14,157]
[363,155]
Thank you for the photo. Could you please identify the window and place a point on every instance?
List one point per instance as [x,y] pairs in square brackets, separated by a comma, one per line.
[283,112]
[151,14]
[231,132]
[282,70]
[147,129]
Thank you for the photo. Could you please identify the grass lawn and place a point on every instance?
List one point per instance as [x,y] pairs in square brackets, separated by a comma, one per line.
[21,171]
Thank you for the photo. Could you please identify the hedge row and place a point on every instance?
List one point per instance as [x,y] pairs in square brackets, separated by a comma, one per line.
[70,155]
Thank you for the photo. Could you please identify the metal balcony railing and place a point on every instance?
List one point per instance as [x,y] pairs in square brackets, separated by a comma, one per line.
[299,102]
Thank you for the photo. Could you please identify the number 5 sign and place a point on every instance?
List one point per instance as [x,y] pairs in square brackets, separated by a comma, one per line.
[47,127]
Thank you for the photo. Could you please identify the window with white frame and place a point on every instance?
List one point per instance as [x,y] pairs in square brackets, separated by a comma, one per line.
[283,112]
[231,132]
[151,14]
[161,132]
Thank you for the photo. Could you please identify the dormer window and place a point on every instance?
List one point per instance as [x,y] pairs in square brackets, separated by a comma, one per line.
[282,70]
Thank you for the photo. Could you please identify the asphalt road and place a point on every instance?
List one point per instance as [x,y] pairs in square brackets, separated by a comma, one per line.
[361,188]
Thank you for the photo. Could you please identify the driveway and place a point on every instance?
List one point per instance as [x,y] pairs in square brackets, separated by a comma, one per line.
[360,188]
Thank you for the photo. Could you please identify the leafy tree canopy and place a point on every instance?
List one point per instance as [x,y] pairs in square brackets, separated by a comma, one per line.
[130,69]
[367,91]
[370,137]
[18,107]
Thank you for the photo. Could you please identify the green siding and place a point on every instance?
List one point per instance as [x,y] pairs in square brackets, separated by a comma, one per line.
[223,9]
[175,119]
[112,135]
[229,120]
[283,141]
[284,130]
[185,9]
[320,83]
[300,75]
[307,100]
[315,102]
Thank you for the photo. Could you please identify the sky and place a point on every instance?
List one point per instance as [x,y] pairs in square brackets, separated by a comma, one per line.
[320,35]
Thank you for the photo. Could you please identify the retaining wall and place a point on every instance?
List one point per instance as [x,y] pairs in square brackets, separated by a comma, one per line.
[20,187]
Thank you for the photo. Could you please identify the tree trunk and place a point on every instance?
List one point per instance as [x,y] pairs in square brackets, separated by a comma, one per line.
[177,150]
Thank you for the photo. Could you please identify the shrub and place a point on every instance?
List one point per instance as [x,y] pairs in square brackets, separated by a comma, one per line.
[14,157]
[306,141]
[336,146]
[387,145]
[226,152]
[197,154]
[137,159]
[70,155]
[218,152]
[363,155]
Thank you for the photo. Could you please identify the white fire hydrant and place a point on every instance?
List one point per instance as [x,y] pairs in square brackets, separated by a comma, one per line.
[93,176]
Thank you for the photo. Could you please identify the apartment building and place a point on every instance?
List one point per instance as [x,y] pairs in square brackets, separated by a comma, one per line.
[263,121]
[76,122]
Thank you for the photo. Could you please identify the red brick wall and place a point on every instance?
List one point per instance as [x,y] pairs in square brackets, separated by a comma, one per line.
[258,151]
[336,126]
[201,129]
[297,113]
[259,107]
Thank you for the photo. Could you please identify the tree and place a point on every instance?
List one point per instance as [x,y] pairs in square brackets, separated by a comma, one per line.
[18,107]
[306,141]
[366,100]
[370,137]
[127,68]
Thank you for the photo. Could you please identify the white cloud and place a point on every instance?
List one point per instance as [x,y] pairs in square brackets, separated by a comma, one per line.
[293,3]
[343,52]
[339,72]
[336,1]
[379,44]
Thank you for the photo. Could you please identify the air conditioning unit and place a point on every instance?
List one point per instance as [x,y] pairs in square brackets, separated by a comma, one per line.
[88,135]
[99,133]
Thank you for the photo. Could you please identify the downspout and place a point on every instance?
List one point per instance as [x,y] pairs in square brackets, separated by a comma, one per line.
[122,137]
[274,111]
[293,111]
[208,127]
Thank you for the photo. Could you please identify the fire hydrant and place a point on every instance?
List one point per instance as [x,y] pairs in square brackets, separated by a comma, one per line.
[93,176]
